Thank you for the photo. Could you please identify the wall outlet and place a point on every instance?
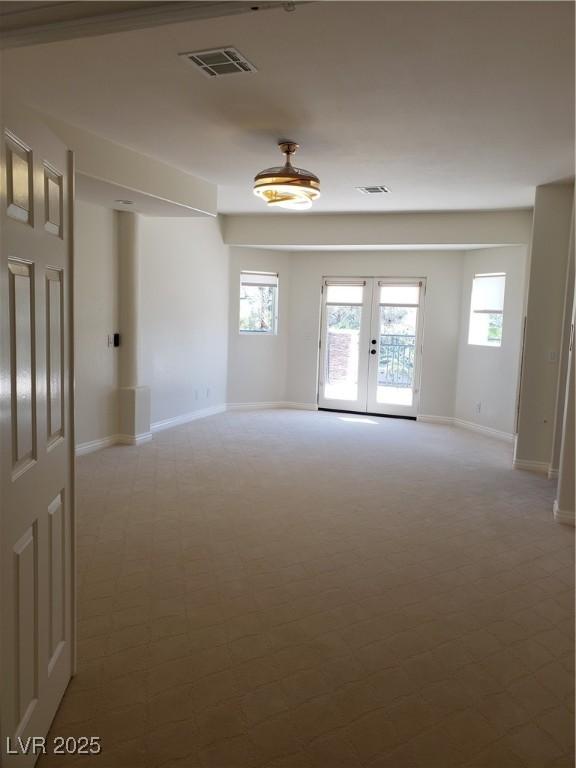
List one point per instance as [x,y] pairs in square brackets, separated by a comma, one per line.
[479,407]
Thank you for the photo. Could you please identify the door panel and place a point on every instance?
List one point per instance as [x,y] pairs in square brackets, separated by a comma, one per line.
[345,328]
[37,451]
[22,362]
[371,344]
[394,375]
[54,353]
[26,625]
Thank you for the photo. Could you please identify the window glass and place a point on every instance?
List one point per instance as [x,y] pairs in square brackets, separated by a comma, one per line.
[258,302]
[399,294]
[487,310]
[344,294]
[342,351]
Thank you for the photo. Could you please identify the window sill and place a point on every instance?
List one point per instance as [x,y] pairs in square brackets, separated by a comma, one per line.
[257,333]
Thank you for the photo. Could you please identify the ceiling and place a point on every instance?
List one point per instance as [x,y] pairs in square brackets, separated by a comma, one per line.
[453,105]
[26,22]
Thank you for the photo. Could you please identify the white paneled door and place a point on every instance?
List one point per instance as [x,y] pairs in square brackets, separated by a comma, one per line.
[371,345]
[37,459]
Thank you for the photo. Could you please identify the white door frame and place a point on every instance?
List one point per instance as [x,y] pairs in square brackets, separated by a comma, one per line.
[366,401]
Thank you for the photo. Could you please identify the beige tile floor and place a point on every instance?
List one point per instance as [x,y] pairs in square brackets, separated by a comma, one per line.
[291,589]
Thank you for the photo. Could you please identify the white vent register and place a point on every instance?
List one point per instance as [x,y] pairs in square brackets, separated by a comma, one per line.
[379,189]
[219,61]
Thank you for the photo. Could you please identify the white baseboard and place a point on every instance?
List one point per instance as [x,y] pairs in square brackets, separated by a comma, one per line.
[563,516]
[270,406]
[552,473]
[96,445]
[488,431]
[448,420]
[301,406]
[531,466]
[175,421]
[145,437]
[452,421]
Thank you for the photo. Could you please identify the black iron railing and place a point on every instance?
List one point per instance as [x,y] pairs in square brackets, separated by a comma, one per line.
[396,360]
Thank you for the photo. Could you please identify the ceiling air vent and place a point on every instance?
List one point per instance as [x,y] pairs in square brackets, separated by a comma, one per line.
[219,61]
[378,190]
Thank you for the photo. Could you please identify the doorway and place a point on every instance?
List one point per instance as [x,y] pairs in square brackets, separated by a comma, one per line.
[371,345]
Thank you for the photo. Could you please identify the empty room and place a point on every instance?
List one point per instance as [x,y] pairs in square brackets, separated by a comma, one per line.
[287,384]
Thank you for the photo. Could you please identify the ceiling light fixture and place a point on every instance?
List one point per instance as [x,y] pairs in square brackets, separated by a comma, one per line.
[285,186]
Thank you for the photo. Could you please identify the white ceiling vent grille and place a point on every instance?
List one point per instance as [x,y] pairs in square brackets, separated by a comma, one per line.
[219,61]
[377,190]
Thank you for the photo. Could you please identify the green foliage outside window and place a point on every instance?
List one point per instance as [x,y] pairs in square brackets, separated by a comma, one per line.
[258,308]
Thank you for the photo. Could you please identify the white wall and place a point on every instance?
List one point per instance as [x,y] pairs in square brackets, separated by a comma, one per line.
[564,359]
[284,368]
[549,250]
[193,357]
[96,301]
[257,364]
[489,375]
[183,315]
[441,313]
[439,229]
[104,160]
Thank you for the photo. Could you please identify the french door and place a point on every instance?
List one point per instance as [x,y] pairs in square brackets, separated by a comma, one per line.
[370,345]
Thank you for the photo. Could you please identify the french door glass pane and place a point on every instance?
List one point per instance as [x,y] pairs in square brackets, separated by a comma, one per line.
[344,294]
[342,352]
[396,355]
[399,294]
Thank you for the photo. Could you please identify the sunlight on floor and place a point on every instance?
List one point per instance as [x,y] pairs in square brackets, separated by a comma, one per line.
[357,419]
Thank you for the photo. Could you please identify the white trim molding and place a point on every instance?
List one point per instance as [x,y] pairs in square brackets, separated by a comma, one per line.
[447,420]
[144,437]
[488,431]
[301,406]
[531,466]
[96,445]
[563,516]
[108,442]
[453,421]
[185,418]
[271,406]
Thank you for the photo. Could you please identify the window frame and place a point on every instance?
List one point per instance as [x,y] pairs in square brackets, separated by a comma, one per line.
[274,283]
[488,311]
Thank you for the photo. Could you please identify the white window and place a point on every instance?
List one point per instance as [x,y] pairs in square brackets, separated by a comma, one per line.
[487,310]
[259,302]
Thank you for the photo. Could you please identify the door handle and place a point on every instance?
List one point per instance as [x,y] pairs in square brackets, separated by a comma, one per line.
[372,351]
[373,341]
